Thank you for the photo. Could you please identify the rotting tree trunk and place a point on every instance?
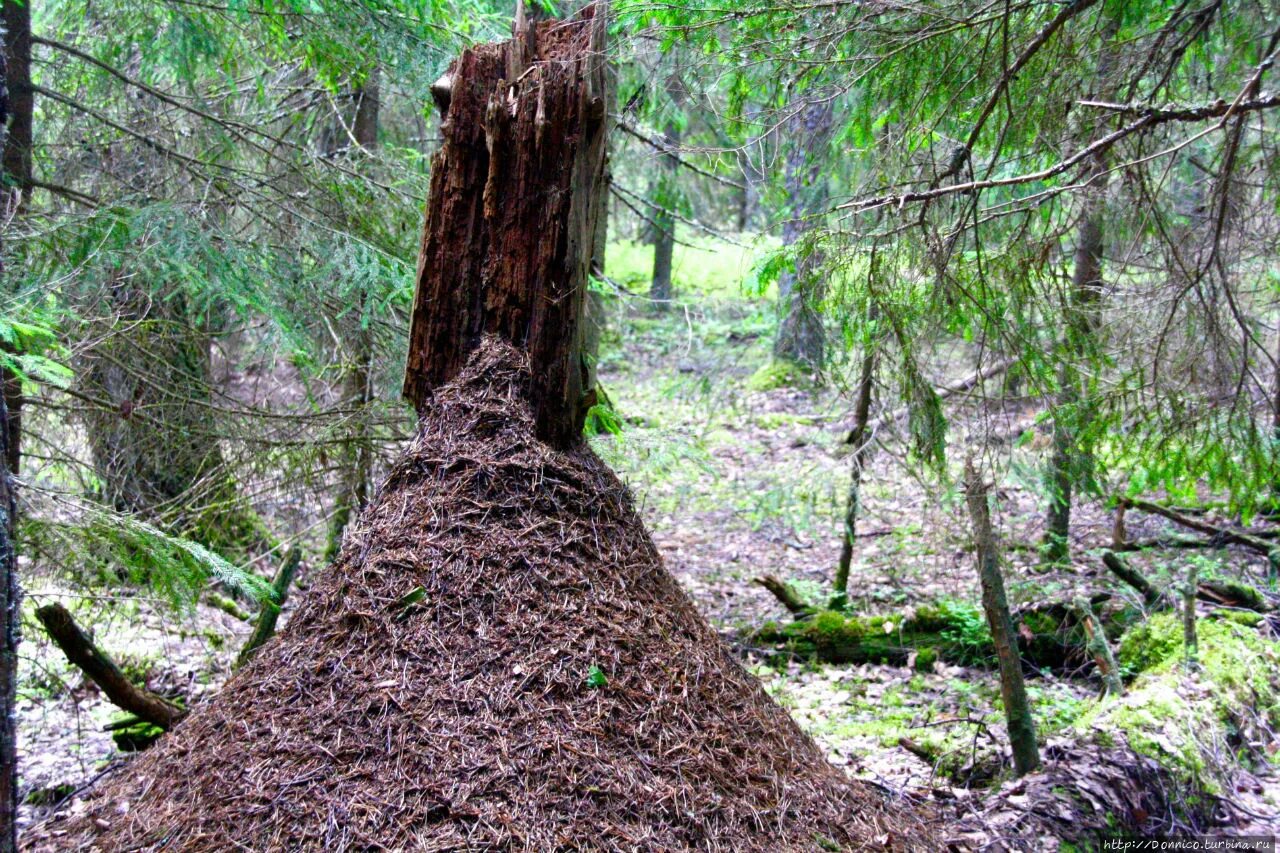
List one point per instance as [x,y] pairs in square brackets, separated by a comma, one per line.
[1017,708]
[11,614]
[81,651]
[800,339]
[511,218]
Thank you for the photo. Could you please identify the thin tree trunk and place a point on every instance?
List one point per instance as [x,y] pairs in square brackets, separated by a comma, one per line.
[752,177]
[15,160]
[10,611]
[1017,708]
[511,216]
[800,339]
[1189,641]
[861,441]
[265,627]
[1098,647]
[357,384]
[1275,432]
[664,223]
[1069,459]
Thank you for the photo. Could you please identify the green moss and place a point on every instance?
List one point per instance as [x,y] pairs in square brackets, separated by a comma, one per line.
[1150,643]
[1192,724]
[1040,622]
[1247,618]
[778,373]
[136,737]
[1245,595]
[831,626]
[925,659]
[952,632]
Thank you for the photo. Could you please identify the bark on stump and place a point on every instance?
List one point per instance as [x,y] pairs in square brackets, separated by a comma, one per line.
[511,217]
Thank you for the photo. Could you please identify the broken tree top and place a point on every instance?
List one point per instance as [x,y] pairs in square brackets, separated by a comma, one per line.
[515,193]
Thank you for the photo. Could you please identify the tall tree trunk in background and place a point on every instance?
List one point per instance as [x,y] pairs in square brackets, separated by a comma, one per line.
[1275,431]
[150,430]
[752,176]
[507,181]
[800,339]
[861,442]
[16,163]
[357,383]
[664,224]
[1013,690]
[1068,458]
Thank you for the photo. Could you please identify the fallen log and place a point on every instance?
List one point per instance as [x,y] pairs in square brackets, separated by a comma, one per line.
[1224,593]
[1151,597]
[1218,532]
[265,627]
[1156,543]
[786,595]
[100,669]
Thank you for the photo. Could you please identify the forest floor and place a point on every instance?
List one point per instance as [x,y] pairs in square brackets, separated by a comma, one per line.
[735,480]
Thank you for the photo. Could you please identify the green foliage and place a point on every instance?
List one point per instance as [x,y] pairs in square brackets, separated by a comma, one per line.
[115,548]
[31,351]
[596,678]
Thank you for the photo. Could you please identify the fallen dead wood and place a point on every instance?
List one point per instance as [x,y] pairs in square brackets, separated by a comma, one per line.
[1151,596]
[266,624]
[91,660]
[786,595]
[1218,532]
[1222,593]
[968,383]
[1156,543]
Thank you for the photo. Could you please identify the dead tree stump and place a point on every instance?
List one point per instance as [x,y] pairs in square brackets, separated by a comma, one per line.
[511,216]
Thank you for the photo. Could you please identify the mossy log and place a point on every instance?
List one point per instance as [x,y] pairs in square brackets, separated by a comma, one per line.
[265,627]
[1050,636]
[81,651]
[1227,593]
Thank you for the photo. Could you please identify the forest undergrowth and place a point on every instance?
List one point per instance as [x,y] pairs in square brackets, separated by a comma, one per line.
[739,475]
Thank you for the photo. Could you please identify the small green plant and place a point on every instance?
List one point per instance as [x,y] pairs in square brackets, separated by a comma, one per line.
[596,678]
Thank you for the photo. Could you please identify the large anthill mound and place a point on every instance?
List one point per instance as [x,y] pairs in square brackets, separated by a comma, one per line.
[499,658]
